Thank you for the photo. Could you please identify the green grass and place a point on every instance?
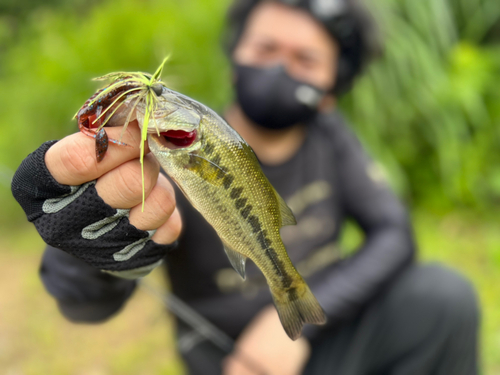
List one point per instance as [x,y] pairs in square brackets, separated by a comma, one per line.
[35,339]
[433,98]
[471,245]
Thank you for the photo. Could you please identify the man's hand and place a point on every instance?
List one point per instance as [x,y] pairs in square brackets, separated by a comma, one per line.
[265,344]
[93,210]
[72,161]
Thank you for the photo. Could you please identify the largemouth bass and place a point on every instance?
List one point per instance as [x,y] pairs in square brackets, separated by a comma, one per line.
[220,175]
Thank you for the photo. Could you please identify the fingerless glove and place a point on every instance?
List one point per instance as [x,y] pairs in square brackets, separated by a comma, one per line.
[76,220]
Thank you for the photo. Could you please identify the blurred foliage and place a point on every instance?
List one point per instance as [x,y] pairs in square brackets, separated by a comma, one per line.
[429,110]
[46,68]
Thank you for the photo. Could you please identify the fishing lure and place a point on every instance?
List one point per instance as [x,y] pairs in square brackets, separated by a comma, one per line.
[130,88]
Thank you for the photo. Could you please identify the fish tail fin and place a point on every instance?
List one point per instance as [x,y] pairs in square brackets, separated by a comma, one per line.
[297,306]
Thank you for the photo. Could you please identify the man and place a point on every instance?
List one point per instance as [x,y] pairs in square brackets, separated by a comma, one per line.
[385,314]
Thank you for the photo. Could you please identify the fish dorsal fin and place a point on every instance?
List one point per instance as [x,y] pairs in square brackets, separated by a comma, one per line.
[287,217]
[237,260]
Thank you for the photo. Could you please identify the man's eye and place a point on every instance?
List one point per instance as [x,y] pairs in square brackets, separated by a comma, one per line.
[266,48]
[308,63]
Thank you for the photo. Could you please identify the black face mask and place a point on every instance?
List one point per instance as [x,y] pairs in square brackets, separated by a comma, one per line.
[273,99]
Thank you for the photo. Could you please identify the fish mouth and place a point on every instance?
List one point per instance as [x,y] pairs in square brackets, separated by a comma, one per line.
[174,139]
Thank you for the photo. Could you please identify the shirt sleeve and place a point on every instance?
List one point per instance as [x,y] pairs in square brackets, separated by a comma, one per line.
[83,293]
[388,246]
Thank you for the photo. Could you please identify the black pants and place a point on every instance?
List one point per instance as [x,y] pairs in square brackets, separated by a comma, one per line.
[426,323]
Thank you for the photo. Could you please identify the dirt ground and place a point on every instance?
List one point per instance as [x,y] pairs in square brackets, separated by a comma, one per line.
[36,339]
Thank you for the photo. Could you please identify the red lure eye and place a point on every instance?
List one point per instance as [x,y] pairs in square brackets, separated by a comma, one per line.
[179,138]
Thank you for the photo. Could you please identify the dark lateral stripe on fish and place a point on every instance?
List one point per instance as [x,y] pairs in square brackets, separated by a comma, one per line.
[216,160]
[246,211]
[264,242]
[255,224]
[209,148]
[293,296]
[220,174]
[200,165]
[227,181]
[235,193]
[240,203]
[285,278]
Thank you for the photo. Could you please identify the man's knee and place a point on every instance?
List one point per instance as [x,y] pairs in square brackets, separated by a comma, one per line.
[444,291]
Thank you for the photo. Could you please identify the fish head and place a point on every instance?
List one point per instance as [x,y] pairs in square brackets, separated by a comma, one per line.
[175,123]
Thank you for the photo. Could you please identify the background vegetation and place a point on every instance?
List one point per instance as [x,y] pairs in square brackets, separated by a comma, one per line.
[434,99]
[428,110]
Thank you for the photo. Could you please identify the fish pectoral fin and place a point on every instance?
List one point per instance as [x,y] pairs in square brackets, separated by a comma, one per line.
[237,260]
[208,161]
[287,217]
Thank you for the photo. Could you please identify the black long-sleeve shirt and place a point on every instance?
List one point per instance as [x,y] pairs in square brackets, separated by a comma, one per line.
[329,179]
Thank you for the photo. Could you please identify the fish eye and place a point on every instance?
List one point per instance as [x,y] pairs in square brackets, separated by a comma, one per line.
[157,88]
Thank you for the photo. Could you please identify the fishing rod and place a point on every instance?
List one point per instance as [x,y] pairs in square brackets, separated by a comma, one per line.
[201,325]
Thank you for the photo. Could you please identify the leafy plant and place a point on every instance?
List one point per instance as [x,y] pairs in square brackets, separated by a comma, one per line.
[46,76]
[429,109]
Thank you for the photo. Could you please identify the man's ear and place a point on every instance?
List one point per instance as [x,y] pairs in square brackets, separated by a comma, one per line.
[328,103]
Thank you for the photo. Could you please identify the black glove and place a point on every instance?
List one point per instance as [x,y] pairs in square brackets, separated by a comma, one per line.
[75,219]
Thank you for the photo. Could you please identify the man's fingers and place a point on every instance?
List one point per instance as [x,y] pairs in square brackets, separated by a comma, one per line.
[122,187]
[72,160]
[170,231]
[159,213]
[158,207]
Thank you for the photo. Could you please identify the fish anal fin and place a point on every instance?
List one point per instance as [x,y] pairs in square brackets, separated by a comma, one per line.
[287,217]
[237,260]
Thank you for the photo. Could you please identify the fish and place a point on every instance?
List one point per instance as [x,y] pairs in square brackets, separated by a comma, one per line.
[220,175]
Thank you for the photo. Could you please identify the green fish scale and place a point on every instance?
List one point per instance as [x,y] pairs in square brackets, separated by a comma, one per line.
[223,181]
